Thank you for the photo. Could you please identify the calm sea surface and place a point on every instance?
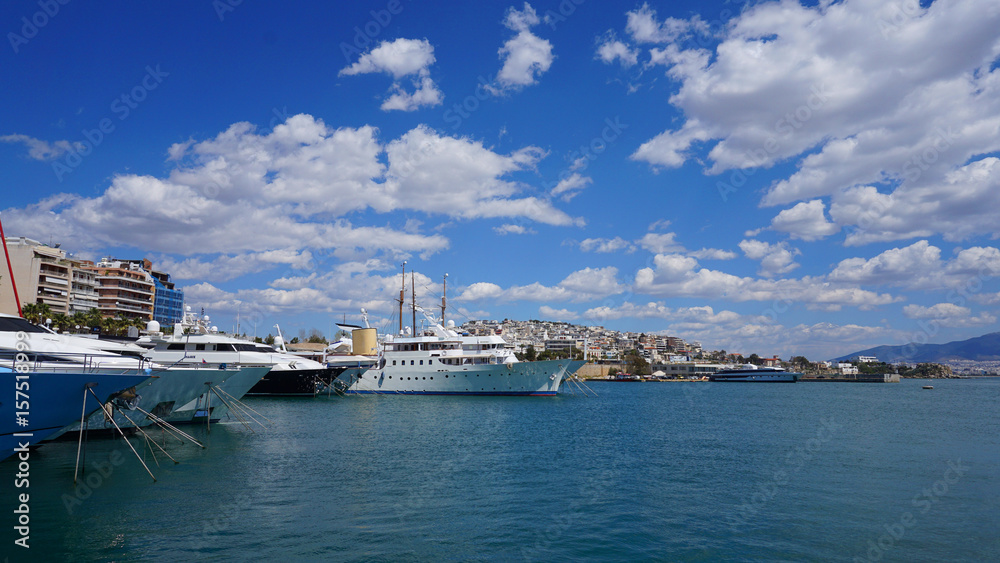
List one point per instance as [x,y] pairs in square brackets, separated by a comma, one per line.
[644,471]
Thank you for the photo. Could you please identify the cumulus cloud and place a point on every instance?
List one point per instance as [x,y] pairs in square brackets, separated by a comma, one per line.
[547,312]
[401,58]
[525,56]
[805,221]
[604,245]
[611,50]
[580,286]
[675,275]
[775,259]
[949,315]
[712,254]
[893,118]
[245,192]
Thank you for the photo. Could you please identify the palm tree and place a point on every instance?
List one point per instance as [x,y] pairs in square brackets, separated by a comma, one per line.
[61,322]
[94,318]
[36,312]
[78,319]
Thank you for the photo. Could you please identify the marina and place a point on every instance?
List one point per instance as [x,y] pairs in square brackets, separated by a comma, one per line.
[518,478]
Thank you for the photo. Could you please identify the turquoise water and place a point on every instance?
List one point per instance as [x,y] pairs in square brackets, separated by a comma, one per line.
[645,471]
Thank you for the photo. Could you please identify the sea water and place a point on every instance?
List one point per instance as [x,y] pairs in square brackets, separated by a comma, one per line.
[641,472]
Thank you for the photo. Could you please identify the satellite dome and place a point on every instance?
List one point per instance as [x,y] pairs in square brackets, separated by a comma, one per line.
[153,326]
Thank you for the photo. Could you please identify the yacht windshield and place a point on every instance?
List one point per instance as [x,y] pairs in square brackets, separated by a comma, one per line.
[15,324]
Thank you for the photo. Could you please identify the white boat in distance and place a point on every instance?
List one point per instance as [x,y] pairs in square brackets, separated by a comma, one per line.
[749,373]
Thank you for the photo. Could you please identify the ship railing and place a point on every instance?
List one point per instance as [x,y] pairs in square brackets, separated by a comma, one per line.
[70,362]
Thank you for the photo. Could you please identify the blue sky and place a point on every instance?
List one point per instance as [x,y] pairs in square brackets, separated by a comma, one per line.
[778,178]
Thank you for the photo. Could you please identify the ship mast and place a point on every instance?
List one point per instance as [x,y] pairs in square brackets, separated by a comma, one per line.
[413,297]
[444,297]
[402,288]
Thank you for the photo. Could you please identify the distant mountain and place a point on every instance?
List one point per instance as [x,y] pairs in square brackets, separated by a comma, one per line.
[981,348]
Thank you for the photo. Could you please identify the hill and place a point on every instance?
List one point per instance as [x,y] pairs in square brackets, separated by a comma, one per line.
[981,349]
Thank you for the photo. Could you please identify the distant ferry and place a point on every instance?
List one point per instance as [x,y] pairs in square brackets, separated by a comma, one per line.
[754,374]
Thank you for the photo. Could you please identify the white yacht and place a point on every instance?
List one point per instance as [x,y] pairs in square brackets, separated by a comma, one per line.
[442,362]
[24,345]
[194,344]
[749,373]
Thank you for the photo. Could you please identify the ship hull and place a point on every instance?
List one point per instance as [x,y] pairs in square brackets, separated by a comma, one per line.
[56,399]
[209,404]
[517,379]
[292,382]
[754,378]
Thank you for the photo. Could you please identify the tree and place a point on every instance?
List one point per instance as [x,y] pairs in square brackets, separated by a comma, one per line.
[36,313]
[754,359]
[269,340]
[636,364]
[294,340]
[94,318]
[61,322]
[530,354]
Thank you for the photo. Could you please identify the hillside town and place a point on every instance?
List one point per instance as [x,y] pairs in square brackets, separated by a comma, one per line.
[118,296]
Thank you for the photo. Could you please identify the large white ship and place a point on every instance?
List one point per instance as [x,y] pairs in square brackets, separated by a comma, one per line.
[440,361]
[749,373]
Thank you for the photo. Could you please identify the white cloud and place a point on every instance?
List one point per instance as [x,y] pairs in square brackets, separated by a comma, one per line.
[510,229]
[243,193]
[948,315]
[660,243]
[547,312]
[775,259]
[42,150]
[865,98]
[805,221]
[644,27]
[674,275]
[583,285]
[426,94]
[712,254]
[570,186]
[604,245]
[225,267]
[897,266]
[525,56]
[401,58]
[611,49]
